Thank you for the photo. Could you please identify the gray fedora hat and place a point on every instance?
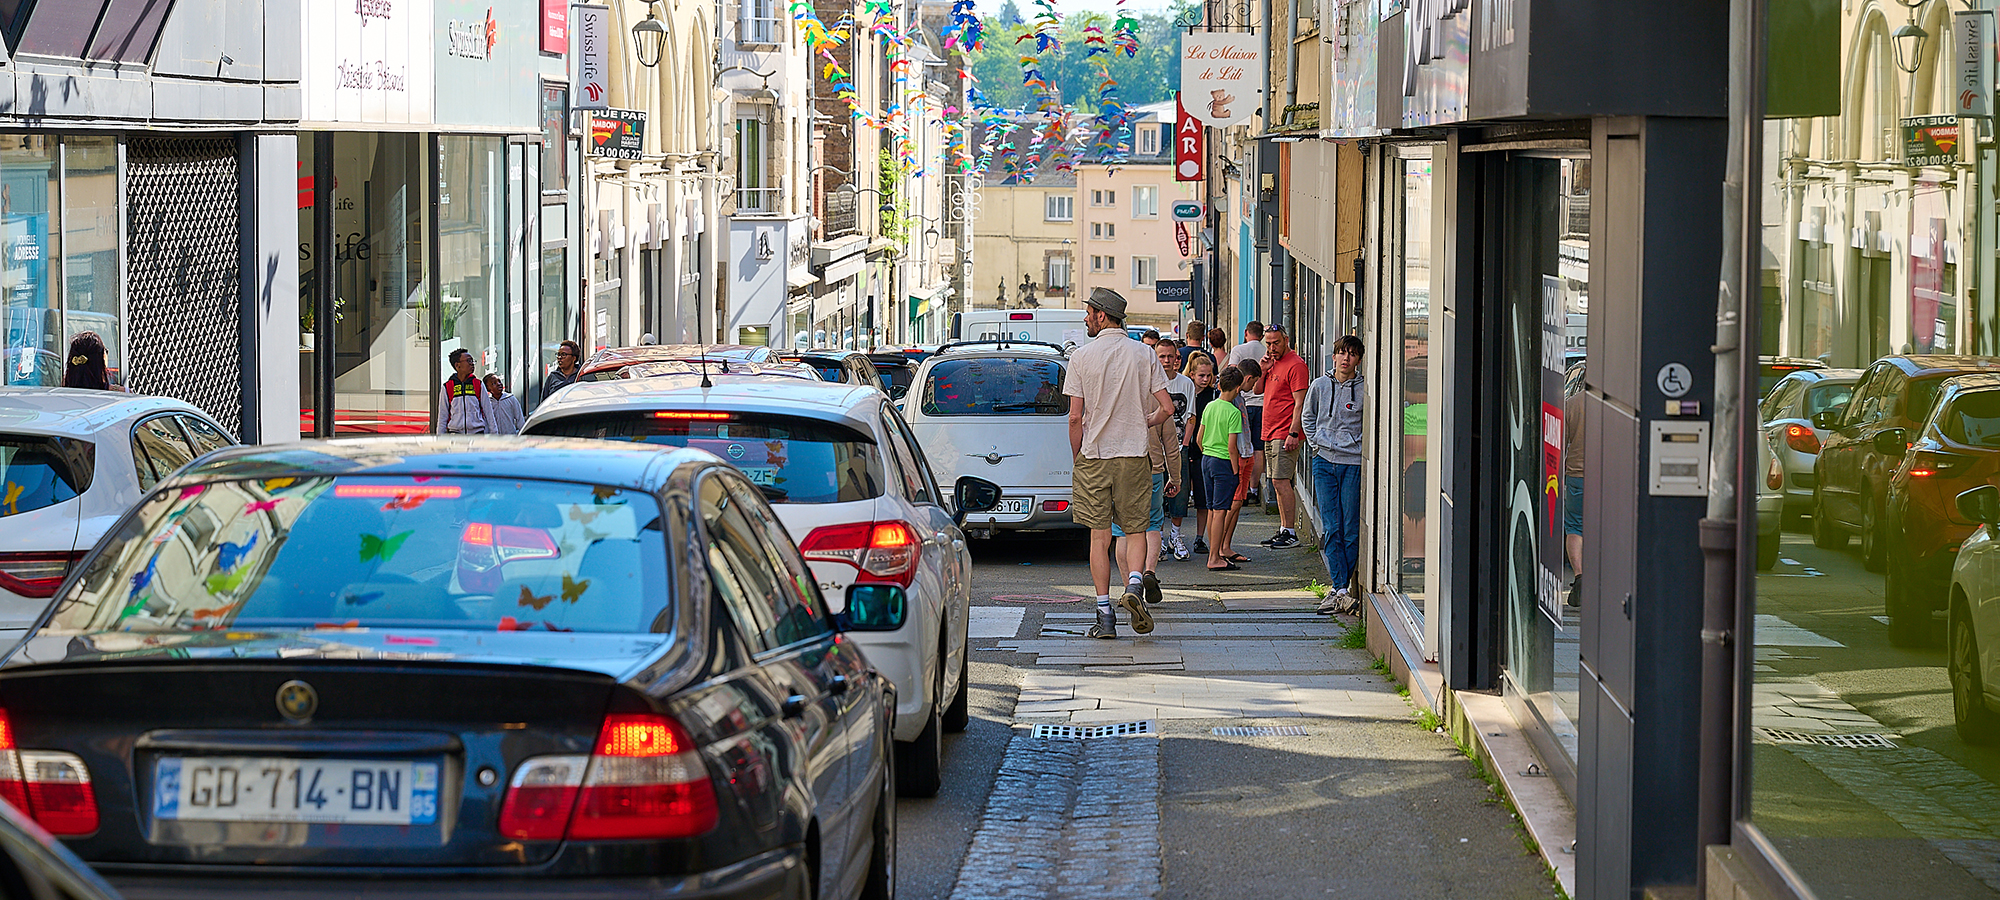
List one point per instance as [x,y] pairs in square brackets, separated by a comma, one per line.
[1109,301]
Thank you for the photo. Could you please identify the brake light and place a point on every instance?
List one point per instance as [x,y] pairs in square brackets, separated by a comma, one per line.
[1020,317]
[884,550]
[1927,463]
[645,781]
[694,416]
[1800,438]
[35,575]
[1774,475]
[52,787]
[1055,506]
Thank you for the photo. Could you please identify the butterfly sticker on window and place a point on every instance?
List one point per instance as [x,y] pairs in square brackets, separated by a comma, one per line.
[531,600]
[405,501]
[378,547]
[256,506]
[12,498]
[603,495]
[223,583]
[228,556]
[572,589]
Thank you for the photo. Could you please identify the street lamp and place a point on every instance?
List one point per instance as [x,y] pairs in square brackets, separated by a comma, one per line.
[1910,46]
[649,38]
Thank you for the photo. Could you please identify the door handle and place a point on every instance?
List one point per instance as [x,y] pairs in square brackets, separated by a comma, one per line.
[838,685]
[795,706]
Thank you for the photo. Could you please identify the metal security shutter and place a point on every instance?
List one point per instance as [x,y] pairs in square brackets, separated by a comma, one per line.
[183,318]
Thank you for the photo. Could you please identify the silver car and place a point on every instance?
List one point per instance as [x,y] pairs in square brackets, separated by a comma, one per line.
[1787,416]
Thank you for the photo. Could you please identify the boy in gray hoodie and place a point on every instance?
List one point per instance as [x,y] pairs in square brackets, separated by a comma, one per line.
[1332,422]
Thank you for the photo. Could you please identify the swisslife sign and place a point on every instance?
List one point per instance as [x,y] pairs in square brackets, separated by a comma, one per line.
[1189,160]
[590,46]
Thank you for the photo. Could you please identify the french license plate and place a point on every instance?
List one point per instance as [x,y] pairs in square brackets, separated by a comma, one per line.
[762,475]
[258,789]
[1012,506]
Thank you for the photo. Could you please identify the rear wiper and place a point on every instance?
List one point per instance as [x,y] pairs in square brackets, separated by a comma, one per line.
[1016,407]
[773,494]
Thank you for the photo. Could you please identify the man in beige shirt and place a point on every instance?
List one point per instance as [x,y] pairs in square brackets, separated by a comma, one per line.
[1117,392]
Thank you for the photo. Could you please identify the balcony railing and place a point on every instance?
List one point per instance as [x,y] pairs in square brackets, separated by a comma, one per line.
[762,30]
[759,199]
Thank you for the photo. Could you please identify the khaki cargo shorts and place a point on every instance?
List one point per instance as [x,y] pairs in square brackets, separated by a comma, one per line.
[1280,464]
[1103,491]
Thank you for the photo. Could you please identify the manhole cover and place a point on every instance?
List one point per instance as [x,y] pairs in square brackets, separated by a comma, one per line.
[1850,741]
[1086,732]
[1258,731]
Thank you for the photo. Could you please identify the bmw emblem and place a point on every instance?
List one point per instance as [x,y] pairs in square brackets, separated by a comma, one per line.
[297,700]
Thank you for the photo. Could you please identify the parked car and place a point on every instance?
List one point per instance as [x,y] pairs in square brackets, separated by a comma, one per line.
[1772,368]
[1770,506]
[845,477]
[1956,449]
[1851,474]
[553,667]
[71,462]
[1787,413]
[1972,620]
[996,409]
[609,362]
[841,366]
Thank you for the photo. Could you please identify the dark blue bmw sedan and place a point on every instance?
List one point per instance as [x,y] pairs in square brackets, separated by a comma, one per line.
[421,667]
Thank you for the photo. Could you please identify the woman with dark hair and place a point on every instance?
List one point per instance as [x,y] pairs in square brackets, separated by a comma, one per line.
[86,364]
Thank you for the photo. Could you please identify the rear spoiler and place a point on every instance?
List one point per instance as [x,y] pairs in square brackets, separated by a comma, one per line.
[1002,343]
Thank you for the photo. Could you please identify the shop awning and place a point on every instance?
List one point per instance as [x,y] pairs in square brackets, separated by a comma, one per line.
[800,278]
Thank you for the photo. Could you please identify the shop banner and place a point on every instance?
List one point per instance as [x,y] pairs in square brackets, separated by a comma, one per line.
[1173,290]
[617,133]
[1972,61]
[590,40]
[1222,75]
[1189,160]
[488,63]
[1551,586]
[555,27]
[367,63]
[1930,140]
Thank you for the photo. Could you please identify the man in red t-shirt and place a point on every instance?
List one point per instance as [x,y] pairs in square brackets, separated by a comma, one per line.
[1285,380]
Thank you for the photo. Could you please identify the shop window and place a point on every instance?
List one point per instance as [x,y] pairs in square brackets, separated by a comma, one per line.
[472,195]
[1146,201]
[1059,208]
[91,295]
[34,335]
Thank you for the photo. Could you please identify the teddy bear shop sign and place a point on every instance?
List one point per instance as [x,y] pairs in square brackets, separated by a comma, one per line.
[1222,76]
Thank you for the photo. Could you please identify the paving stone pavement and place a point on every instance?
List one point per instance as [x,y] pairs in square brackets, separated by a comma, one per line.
[1069,819]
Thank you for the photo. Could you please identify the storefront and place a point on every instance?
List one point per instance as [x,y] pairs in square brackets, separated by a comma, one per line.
[420,205]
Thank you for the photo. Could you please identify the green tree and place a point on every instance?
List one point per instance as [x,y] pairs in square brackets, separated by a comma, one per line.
[1151,76]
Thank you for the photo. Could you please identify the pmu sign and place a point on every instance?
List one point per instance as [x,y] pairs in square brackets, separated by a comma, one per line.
[1189,160]
[1187,211]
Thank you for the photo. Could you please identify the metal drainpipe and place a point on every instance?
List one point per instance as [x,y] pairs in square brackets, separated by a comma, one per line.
[1723,542]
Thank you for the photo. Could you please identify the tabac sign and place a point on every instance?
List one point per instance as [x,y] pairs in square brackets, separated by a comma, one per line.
[1930,140]
[1222,76]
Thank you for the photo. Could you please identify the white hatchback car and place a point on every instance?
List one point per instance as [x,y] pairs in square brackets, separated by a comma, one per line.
[848,482]
[996,410]
[71,462]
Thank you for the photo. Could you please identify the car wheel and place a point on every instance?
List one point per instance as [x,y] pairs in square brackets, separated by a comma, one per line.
[1827,534]
[1976,723]
[1873,547]
[959,713]
[920,763]
[1902,603]
[881,881]
[1767,550]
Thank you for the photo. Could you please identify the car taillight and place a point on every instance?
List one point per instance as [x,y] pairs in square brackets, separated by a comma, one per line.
[1055,506]
[35,575]
[1927,463]
[644,781]
[485,547]
[52,787]
[1774,475]
[885,550]
[1800,438]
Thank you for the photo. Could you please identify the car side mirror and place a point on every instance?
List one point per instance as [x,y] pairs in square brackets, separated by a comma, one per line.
[973,494]
[873,607]
[1892,441]
[1981,504]
[1830,417]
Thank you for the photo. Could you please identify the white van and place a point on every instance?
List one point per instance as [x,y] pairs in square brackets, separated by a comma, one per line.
[1063,327]
[997,411]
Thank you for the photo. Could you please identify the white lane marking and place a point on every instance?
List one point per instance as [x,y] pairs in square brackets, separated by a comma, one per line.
[1775,632]
[994,622]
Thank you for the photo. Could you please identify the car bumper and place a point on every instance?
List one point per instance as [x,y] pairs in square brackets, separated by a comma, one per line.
[898,655]
[1036,518]
[777,874]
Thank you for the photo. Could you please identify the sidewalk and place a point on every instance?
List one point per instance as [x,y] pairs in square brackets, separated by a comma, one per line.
[1273,761]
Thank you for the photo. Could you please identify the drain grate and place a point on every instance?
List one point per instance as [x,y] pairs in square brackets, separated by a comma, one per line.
[1850,741]
[1086,732]
[1258,731]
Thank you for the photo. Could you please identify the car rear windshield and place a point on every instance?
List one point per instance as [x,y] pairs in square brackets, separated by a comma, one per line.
[792,459]
[1974,419]
[995,387]
[457,553]
[1923,393]
[39,472]
[1823,397]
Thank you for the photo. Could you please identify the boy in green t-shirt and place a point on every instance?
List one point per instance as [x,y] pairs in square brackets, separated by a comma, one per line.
[1221,438]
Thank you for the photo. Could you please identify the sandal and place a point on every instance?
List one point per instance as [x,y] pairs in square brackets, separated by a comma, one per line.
[1225,567]
[1237,558]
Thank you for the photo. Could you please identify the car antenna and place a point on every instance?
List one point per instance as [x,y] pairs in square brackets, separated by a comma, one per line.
[702,358]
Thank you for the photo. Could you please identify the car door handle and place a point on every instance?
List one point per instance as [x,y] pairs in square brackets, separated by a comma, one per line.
[838,685]
[795,706]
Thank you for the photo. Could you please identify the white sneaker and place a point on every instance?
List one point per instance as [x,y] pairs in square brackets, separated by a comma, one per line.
[1335,602]
[1180,546]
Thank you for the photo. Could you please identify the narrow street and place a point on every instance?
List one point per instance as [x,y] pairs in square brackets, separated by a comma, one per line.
[1355,799]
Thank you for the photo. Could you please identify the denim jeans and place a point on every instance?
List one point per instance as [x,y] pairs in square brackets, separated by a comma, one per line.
[1337,492]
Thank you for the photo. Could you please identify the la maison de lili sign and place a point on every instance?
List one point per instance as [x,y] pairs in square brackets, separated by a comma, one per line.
[1222,76]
